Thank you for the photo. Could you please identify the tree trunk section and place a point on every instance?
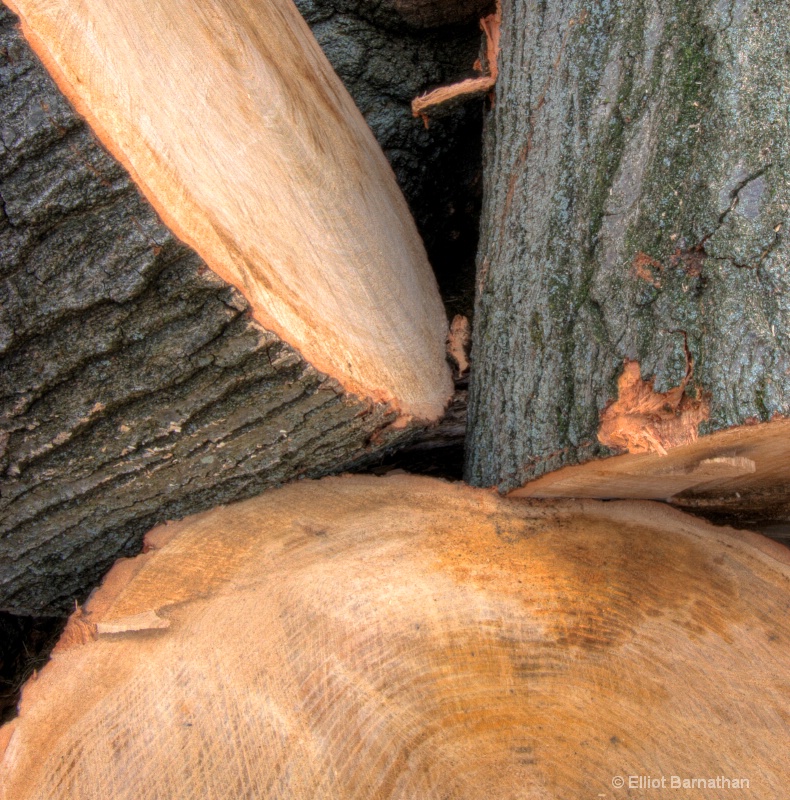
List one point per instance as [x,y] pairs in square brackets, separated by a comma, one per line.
[633,270]
[137,385]
[410,638]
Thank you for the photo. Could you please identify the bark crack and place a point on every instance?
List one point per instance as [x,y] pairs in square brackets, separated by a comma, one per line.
[692,259]
[734,196]
[3,211]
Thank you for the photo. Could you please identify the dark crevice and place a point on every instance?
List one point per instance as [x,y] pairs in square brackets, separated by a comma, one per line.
[25,645]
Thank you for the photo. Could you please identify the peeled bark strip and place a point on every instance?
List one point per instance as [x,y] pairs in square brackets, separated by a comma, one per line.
[470,86]
[636,200]
[136,385]
[409,638]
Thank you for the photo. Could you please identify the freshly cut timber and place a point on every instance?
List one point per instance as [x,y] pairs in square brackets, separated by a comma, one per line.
[736,474]
[633,276]
[404,637]
[290,325]
[240,135]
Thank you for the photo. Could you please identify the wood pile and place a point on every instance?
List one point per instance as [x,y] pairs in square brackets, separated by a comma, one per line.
[405,637]
[212,286]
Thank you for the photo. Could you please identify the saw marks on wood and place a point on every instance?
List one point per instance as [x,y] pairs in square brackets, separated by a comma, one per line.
[237,130]
[403,637]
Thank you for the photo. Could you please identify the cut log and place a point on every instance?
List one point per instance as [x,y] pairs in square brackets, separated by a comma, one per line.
[737,474]
[386,53]
[143,379]
[253,154]
[410,638]
[633,271]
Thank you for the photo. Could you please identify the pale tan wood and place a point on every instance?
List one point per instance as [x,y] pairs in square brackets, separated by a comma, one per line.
[724,467]
[403,637]
[233,124]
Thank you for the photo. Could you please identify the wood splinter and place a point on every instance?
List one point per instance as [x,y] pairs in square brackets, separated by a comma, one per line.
[643,420]
[490,25]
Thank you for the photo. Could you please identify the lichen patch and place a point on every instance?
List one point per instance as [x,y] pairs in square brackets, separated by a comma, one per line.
[642,420]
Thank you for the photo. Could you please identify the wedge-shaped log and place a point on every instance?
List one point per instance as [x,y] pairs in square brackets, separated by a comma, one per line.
[633,274]
[145,376]
[404,637]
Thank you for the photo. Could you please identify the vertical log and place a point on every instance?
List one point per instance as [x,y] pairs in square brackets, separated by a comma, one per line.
[633,271]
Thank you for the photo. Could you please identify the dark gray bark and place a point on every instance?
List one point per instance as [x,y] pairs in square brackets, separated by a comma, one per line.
[134,385]
[386,54]
[637,187]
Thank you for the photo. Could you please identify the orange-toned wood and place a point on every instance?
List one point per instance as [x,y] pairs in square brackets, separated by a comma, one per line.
[403,637]
[233,124]
[741,470]
[490,25]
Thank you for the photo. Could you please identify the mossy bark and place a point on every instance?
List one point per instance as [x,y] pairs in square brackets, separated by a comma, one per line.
[636,201]
[135,386]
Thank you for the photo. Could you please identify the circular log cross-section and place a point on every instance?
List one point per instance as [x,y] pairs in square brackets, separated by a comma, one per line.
[403,637]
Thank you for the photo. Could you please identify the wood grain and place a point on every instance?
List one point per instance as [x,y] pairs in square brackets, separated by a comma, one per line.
[403,637]
[235,127]
[728,467]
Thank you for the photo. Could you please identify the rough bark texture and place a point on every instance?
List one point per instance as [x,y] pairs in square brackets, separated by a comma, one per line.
[386,55]
[134,385]
[636,202]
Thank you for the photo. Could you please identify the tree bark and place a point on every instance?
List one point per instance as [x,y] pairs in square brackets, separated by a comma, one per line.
[411,638]
[136,384]
[633,269]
